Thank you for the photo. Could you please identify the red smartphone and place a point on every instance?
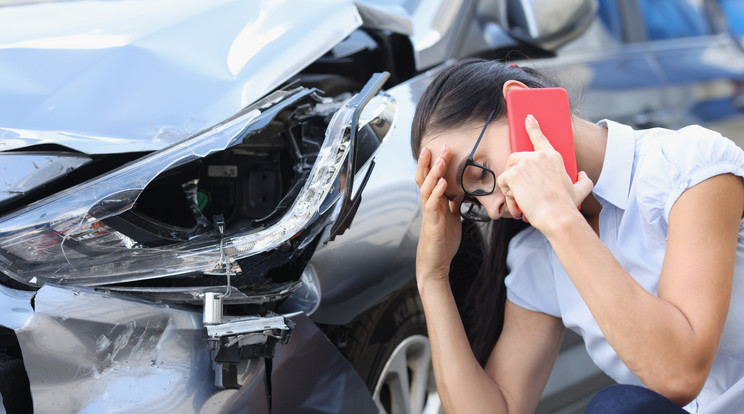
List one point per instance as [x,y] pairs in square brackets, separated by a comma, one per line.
[550,107]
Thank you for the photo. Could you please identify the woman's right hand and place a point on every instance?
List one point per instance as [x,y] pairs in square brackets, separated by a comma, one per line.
[441,228]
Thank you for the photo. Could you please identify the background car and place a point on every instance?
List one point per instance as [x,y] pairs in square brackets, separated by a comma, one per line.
[210,207]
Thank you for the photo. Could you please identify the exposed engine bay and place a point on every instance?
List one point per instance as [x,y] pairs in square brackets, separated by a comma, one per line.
[246,187]
[249,184]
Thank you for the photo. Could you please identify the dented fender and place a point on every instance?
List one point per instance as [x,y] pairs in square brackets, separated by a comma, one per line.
[89,350]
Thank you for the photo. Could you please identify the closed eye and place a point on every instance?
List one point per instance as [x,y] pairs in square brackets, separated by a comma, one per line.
[483,174]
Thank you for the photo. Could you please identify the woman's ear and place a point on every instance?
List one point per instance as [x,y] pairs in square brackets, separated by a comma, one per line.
[513,84]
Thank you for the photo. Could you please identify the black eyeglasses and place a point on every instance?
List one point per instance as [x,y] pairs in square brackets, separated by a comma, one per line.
[476,180]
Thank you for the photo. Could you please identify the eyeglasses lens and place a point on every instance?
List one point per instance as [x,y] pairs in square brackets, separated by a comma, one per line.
[471,209]
[477,180]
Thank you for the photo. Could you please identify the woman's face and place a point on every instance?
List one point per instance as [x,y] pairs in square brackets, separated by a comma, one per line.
[492,152]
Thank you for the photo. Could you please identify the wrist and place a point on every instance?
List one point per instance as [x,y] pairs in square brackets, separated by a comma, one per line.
[563,224]
[431,284]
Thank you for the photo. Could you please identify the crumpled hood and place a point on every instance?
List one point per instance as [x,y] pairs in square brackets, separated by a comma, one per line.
[124,76]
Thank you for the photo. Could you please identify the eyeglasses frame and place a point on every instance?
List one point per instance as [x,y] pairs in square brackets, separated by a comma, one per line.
[470,162]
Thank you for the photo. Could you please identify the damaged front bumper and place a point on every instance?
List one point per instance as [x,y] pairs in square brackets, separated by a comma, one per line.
[90,351]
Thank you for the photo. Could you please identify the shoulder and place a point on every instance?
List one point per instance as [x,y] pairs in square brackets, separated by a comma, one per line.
[670,162]
[689,148]
[685,150]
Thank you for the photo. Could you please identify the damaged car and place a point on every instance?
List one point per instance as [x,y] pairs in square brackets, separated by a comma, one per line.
[209,206]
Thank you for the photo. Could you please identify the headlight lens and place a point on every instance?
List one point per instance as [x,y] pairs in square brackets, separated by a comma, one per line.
[64,238]
[23,172]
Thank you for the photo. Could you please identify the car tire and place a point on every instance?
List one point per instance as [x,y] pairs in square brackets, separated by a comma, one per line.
[389,348]
[14,386]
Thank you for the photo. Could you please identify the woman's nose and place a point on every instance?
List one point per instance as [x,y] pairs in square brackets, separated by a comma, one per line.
[494,203]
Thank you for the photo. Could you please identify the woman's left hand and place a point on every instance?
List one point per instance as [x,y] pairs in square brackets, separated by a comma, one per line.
[536,185]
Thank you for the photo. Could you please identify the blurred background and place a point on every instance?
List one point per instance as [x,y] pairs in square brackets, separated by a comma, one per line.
[659,63]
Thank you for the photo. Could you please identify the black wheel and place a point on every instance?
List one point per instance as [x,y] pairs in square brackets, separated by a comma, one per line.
[14,386]
[389,348]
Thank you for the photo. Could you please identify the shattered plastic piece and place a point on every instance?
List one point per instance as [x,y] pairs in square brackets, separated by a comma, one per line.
[21,173]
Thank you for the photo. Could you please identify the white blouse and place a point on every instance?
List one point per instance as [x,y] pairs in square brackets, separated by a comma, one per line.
[643,174]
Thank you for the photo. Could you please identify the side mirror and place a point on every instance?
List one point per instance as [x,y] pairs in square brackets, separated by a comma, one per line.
[547,24]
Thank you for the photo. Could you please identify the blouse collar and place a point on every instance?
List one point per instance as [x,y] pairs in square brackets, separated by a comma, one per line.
[613,184]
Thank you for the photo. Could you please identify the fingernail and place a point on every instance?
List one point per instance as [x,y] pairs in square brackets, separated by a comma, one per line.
[439,160]
[444,148]
[422,152]
[531,119]
[441,181]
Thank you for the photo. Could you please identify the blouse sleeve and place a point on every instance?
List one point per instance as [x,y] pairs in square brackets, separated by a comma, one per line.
[679,161]
[530,283]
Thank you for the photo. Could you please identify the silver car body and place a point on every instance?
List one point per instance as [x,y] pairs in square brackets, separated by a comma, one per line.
[102,59]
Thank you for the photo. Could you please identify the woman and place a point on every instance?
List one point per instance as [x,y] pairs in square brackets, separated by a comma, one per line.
[644,271]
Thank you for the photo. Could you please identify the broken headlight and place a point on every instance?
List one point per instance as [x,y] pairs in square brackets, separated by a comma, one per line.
[121,226]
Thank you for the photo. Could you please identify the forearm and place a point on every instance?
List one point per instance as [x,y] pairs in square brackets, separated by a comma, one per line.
[652,336]
[463,385]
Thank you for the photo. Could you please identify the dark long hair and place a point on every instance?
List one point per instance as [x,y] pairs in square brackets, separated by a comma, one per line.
[481,294]
[464,93]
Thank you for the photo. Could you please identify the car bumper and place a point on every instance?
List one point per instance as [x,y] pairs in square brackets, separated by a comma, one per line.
[89,350]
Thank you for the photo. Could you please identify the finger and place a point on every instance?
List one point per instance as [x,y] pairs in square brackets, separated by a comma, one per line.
[539,141]
[439,190]
[515,158]
[511,204]
[432,178]
[423,166]
[445,155]
[454,208]
[437,203]
[582,187]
